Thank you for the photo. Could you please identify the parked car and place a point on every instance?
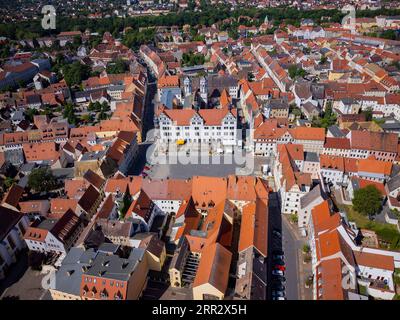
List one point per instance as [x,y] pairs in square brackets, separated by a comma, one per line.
[278,298]
[278,252]
[144,174]
[277,233]
[277,272]
[146,168]
[279,278]
[277,286]
[277,257]
[278,261]
[277,293]
[278,267]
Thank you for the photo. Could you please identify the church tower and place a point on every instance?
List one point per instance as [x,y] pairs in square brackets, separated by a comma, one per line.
[203,89]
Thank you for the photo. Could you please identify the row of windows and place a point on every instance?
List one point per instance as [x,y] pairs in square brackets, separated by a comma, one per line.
[104,282]
[197,134]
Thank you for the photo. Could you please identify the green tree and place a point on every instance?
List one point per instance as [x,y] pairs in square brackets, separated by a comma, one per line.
[29,113]
[367,201]
[126,203]
[368,114]
[306,248]
[8,182]
[69,114]
[192,59]
[328,118]
[296,72]
[119,66]
[94,106]
[42,179]
[75,73]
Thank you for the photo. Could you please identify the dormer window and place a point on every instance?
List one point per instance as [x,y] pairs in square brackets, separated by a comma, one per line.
[118,296]
[104,294]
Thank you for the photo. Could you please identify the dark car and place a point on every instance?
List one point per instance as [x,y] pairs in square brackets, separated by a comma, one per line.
[281,279]
[278,287]
[278,261]
[277,293]
[278,252]
[277,233]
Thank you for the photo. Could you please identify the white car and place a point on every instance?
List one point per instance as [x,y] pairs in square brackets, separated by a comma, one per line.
[277,272]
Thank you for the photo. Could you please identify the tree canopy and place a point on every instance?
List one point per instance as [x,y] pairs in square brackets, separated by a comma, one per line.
[42,179]
[328,119]
[367,201]
[126,203]
[75,73]
[69,114]
[192,59]
[296,72]
[119,66]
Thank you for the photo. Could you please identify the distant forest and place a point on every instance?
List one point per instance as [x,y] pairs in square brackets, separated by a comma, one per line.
[32,29]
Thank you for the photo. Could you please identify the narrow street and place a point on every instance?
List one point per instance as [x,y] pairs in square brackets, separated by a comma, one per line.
[291,244]
[147,125]
[292,249]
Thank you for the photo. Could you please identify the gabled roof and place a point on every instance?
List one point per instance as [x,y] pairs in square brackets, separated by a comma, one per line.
[331,162]
[13,195]
[142,206]
[89,198]
[305,133]
[60,206]
[373,260]
[331,277]
[94,179]
[377,141]
[214,267]
[322,218]
[375,166]
[337,143]
[208,191]
[254,227]
[310,197]
[241,188]
[9,218]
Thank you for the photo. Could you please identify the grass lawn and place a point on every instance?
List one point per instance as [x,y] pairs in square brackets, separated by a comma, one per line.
[386,232]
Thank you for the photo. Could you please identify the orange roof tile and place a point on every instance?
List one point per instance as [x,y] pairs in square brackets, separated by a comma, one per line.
[214,267]
[373,260]
[305,133]
[375,166]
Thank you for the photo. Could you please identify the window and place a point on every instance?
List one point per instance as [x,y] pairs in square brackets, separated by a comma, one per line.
[21,228]
[11,242]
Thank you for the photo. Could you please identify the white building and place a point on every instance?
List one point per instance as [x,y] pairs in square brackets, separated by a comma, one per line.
[203,126]
[13,226]
[54,235]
